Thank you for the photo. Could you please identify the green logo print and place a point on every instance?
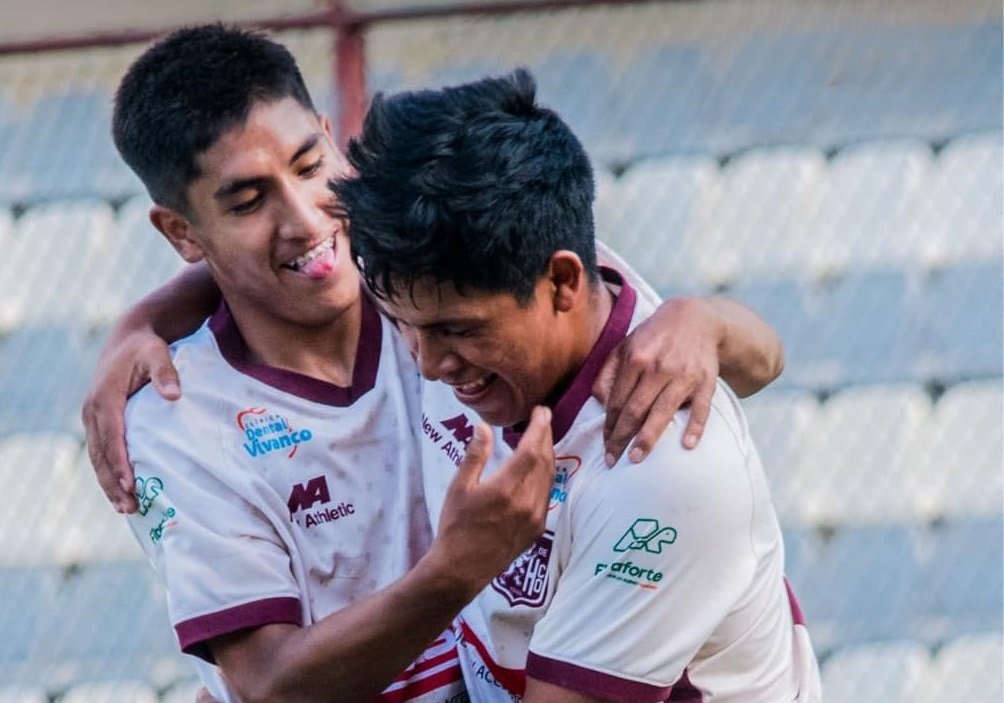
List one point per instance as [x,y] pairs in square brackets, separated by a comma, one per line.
[147,490]
[645,535]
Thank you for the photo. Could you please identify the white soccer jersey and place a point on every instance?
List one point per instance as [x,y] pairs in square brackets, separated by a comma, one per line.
[653,582]
[268,497]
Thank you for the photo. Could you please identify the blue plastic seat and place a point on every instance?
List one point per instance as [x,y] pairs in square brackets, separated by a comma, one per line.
[962,578]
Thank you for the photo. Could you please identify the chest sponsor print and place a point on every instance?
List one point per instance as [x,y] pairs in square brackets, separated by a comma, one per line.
[266,432]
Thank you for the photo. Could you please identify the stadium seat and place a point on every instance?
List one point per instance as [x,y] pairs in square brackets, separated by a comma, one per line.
[107,620]
[98,534]
[967,669]
[959,455]
[659,208]
[867,328]
[139,259]
[962,578]
[110,692]
[789,306]
[860,585]
[776,421]
[887,672]
[853,457]
[661,101]
[31,466]
[758,221]
[26,694]
[27,594]
[870,194]
[962,307]
[44,370]
[47,272]
[960,217]
[79,159]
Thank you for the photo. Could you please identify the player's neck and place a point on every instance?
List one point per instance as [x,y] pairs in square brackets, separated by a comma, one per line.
[324,352]
[587,329]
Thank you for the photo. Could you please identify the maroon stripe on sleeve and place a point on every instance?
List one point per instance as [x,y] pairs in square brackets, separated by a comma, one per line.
[194,634]
[593,683]
[796,609]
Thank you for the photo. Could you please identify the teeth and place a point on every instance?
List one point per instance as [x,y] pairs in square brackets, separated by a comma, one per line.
[309,256]
[474,387]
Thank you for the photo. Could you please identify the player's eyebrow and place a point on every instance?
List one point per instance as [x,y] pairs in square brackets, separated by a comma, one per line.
[233,187]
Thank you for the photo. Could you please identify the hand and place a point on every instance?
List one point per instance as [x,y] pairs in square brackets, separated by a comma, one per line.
[486,524]
[670,359]
[127,363]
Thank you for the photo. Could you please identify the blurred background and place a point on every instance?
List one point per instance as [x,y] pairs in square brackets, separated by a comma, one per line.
[836,165]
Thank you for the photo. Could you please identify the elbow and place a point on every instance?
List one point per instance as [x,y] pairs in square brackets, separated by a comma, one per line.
[760,374]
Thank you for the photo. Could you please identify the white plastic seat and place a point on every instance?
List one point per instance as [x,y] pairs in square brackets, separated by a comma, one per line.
[872,192]
[759,222]
[110,692]
[853,457]
[657,214]
[34,468]
[876,673]
[138,260]
[958,459]
[776,421]
[53,260]
[97,532]
[25,694]
[966,669]
[961,215]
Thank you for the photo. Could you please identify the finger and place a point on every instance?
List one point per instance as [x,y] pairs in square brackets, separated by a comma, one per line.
[165,379]
[111,461]
[700,409]
[634,415]
[478,451]
[538,431]
[660,417]
[605,379]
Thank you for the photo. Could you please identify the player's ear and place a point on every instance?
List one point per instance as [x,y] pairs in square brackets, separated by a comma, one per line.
[178,231]
[569,282]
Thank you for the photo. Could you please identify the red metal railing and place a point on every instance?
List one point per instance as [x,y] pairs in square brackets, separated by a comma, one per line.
[348,27]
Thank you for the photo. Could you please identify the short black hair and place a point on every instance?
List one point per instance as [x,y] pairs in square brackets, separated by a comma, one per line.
[186,91]
[475,185]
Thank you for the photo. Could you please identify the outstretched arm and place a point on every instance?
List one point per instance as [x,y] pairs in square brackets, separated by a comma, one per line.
[134,354]
[673,358]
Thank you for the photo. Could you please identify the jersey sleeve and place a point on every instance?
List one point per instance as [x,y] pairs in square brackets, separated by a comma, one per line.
[222,561]
[654,557]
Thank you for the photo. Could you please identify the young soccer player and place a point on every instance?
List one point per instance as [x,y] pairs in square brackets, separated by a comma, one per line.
[279,498]
[472,222]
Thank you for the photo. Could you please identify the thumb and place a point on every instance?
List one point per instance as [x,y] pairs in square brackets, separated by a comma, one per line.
[165,380]
[478,451]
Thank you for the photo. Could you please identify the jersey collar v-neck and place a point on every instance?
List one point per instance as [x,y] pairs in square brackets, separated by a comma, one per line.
[235,351]
[566,408]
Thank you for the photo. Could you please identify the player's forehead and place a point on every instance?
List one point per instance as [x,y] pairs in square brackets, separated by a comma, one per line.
[427,302]
[272,135]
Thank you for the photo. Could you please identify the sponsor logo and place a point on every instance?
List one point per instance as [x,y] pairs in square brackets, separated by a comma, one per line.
[147,490]
[304,496]
[166,520]
[525,581]
[646,535]
[267,432]
[450,436]
[627,572]
[564,468]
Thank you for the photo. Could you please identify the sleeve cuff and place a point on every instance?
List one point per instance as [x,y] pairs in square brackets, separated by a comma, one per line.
[594,683]
[195,634]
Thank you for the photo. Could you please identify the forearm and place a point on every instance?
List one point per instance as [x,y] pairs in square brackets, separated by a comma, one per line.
[750,354]
[175,309]
[351,655]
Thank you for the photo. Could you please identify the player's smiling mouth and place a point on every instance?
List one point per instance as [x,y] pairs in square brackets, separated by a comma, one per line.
[474,388]
[315,262]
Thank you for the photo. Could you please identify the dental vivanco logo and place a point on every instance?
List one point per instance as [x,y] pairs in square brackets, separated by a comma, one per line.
[267,432]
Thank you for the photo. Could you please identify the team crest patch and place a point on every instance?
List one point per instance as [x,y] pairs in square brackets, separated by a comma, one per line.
[525,581]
